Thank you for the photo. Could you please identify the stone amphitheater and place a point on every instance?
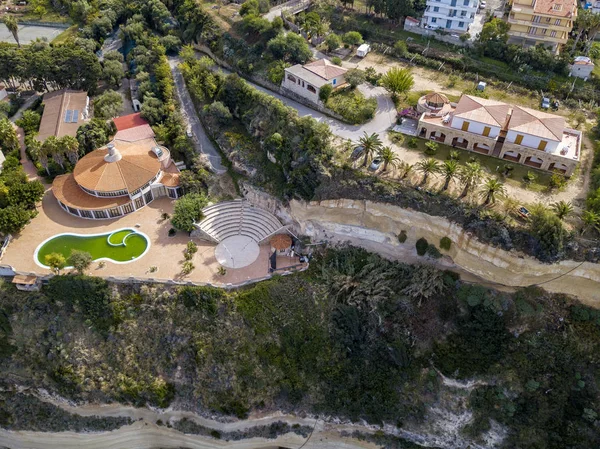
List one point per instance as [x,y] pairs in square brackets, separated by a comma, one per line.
[238,228]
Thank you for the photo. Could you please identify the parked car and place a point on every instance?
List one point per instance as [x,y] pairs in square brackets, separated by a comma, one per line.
[482,4]
[375,164]
[188,131]
[523,212]
[357,152]
[545,103]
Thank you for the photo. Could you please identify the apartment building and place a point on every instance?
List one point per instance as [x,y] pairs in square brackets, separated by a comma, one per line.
[451,15]
[541,22]
[509,132]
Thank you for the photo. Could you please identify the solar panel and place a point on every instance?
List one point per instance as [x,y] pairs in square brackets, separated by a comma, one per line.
[68,115]
[75,115]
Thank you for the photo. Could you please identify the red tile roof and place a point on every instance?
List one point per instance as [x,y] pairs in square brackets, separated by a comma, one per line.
[129,121]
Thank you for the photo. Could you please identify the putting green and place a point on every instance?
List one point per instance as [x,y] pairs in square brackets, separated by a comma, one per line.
[121,246]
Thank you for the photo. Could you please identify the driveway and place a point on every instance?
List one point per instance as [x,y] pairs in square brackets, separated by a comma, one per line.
[385,115]
[202,143]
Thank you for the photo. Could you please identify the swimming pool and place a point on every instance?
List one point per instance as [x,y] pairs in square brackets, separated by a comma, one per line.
[121,246]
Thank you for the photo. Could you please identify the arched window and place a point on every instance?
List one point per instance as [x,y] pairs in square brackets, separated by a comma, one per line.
[311,89]
[291,78]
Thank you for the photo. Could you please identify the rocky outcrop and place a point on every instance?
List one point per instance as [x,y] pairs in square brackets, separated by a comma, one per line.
[375,226]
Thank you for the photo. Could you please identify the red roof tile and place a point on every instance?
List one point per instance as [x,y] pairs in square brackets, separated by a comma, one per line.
[129,121]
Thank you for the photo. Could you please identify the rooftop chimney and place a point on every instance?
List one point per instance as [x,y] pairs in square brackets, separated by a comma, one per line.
[113,154]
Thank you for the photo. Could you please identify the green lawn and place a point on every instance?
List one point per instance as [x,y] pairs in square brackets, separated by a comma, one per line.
[68,35]
[490,164]
[352,105]
[125,245]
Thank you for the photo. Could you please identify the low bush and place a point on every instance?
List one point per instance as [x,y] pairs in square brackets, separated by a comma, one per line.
[352,105]
[431,147]
[422,245]
[445,243]
[402,236]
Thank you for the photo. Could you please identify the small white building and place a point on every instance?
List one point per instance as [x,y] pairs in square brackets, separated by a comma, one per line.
[307,80]
[410,23]
[363,50]
[582,67]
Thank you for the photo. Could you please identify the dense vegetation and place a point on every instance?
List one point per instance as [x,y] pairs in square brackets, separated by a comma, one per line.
[356,336]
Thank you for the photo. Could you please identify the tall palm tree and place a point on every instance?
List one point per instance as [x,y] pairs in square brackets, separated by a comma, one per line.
[13,26]
[428,167]
[590,220]
[52,147]
[562,209]
[388,157]
[470,175]
[450,171]
[70,146]
[491,189]
[371,145]
[40,152]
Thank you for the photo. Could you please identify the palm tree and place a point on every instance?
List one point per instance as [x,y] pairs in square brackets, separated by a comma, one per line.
[470,174]
[371,145]
[13,27]
[450,171]
[406,168]
[70,146]
[491,189]
[52,147]
[590,219]
[388,157]
[562,209]
[41,152]
[428,167]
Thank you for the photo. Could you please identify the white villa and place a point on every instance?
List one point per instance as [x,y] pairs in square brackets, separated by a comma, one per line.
[514,133]
[451,15]
[306,80]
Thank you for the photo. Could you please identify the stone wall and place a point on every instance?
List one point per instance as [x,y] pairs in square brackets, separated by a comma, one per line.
[375,227]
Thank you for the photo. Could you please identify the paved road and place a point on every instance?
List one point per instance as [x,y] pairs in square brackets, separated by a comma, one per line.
[201,141]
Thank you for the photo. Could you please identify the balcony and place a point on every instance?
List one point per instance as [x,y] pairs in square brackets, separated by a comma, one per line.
[541,24]
[541,37]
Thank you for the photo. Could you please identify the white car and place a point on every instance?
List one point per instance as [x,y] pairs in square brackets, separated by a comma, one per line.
[482,4]
[375,164]
[188,131]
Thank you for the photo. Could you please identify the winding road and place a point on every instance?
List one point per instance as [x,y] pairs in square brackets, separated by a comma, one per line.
[201,140]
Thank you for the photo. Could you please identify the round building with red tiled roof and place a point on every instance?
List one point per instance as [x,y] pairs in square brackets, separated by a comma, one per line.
[121,177]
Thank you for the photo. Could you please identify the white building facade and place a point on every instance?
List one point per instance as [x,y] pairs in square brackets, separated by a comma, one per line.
[451,15]
[307,80]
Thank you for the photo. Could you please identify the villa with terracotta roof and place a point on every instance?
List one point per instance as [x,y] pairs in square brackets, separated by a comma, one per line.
[125,175]
[65,111]
[306,80]
[513,133]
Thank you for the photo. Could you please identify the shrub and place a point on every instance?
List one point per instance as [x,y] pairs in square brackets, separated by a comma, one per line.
[402,236]
[433,252]
[336,60]
[422,245]
[431,147]
[352,105]
[352,38]
[188,210]
[333,42]
[412,142]
[187,267]
[219,112]
[445,243]
[372,76]
[325,92]
[56,262]
[80,260]
[355,77]
[452,80]
[400,49]
[557,181]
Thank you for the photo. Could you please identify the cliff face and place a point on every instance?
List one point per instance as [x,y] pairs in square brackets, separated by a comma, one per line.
[375,227]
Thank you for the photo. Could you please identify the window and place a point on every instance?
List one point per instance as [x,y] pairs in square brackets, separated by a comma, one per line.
[115,212]
[542,145]
[311,89]
[291,78]
[433,19]
[86,213]
[73,211]
[486,131]
[465,126]
[334,81]
[100,214]
[544,31]
[519,139]
[463,13]
[536,19]
[557,22]
[557,7]
[436,9]
[139,202]
[465,2]
[532,30]
[128,208]
[461,24]
[547,19]
[148,197]
[448,23]
[553,34]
